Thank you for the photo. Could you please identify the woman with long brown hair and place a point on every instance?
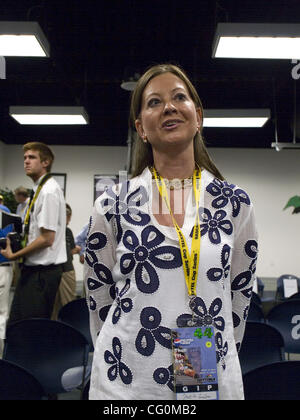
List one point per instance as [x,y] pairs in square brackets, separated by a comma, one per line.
[170,253]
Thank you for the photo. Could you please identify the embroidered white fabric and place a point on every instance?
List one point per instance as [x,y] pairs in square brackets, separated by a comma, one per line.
[136,289]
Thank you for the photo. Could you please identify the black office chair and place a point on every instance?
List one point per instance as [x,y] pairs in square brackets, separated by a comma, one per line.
[255,313]
[285,317]
[85,394]
[295,296]
[17,383]
[76,313]
[280,296]
[262,344]
[54,352]
[276,381]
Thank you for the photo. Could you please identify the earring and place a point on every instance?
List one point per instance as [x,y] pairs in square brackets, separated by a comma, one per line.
[145,140]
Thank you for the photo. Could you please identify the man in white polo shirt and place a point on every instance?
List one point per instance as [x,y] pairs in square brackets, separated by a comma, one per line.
[44,247]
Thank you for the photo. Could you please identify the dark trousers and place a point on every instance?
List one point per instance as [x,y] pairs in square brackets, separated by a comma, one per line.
[35,292]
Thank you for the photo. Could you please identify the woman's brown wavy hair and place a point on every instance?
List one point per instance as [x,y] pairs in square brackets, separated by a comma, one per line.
[142,153]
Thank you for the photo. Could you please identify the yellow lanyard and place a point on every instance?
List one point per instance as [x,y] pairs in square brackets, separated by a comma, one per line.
[27,215]
[190,261]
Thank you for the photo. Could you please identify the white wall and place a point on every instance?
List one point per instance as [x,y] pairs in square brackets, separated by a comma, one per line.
[269,177]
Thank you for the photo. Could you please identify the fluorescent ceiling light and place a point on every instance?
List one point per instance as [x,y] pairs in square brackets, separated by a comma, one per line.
[285,145]
[49,115]
[235,117]
[23,39]
[257,40]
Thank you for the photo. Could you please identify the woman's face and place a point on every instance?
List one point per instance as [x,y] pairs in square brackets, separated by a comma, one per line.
[168,114]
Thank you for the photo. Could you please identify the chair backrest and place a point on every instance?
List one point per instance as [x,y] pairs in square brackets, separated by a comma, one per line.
[16,383]
[85,393]
[255,313]
[295,296]
[285,317]
[276,381]
[282,286]
[262,344]
[76,313]
[50,350]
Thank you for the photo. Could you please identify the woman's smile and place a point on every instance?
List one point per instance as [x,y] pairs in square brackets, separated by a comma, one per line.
[168,114]
[171,124]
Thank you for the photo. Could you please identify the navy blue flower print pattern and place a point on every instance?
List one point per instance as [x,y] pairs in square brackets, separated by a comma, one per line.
[242,280]
[236,320]
[102,275]
[152,331]
[144,256]
[123,304]
[204,316]
[117,366]
[213,225]
[251,252]
[95,242]
[226,193]
[221,350]
[103,312]
[127,206]
[164,376]
[216,273]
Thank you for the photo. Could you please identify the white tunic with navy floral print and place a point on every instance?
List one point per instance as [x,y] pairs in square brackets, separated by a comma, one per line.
[136,290]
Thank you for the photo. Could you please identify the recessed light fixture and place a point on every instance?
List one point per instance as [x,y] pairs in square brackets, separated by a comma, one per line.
[23,39]
[49,115]
[257,40]
[235,117]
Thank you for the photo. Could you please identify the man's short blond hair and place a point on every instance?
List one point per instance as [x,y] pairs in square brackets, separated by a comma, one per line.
[44,151]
